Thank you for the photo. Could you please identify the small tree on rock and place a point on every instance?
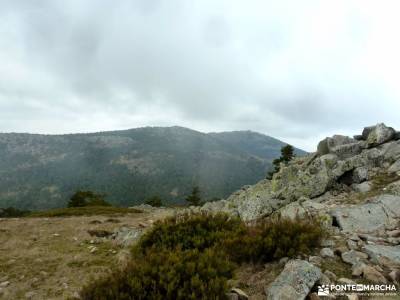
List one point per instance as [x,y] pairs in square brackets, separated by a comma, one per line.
[287,154]
[194,198]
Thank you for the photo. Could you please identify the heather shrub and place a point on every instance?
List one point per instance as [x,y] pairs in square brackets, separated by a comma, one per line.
[274,239]
[162,274]
[199,231]
[192,257]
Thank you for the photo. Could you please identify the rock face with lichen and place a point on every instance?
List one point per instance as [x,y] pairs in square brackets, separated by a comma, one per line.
[340,163]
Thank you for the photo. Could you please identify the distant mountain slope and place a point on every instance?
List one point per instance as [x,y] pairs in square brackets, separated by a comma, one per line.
[254,143]
[42,171]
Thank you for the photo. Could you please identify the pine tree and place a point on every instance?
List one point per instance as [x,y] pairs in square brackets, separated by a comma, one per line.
[287,154]
[194,198]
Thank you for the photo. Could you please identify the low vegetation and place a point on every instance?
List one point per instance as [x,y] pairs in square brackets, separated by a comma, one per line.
[84,211]
[154,201]
[11,212]
[87,198]
[192,257]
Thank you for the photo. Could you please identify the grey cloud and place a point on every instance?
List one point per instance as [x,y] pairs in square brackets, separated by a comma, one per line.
[291,70]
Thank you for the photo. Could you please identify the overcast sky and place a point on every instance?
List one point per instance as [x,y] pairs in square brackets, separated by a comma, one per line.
[295,70]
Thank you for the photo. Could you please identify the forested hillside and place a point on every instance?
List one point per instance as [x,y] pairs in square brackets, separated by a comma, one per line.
[42,171]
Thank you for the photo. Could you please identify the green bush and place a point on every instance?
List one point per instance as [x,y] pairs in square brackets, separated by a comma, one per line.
[192,257]
[87,198]
[192,232]
[11,212]
[154,201]
[162,274]
[274,239]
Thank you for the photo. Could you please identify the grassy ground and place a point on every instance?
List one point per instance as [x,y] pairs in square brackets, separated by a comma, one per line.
[51,256]
[84,211]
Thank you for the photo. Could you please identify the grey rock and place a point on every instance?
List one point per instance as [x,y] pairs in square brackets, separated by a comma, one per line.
[4,284]
[378,134]
[332,276]
[294,282]
[315,260]
[395,276]
[395,167]
[327,252]
[352,257]
[357,269]
[377,251]
[241,295]
[393,188]
[126,236]
[368,217]
[360,174]
[371,274]
[358,137]
[364,187]
[232,296]
[352,244]
[328,144]
[328,243]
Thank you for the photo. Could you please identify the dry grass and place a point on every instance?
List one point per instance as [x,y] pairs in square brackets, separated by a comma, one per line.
[84,211]
[50,256]
[254,278]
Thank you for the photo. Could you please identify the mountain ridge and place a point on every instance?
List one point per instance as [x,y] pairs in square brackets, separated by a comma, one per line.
[41,171]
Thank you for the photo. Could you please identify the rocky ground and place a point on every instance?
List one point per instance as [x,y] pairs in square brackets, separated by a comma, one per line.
[353,186]
[51,258]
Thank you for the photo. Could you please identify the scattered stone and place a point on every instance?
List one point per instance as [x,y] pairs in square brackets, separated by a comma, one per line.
[352,245]
[324,280]
[357,269]
[371,274]
[241,295]
[232,296]
[315,260]
[327,252]
[332,276]
[352,256]
[126,236]
[294,282]
[56,234]
[377,251]
[340,250]
[4,284]
[328,243]
[93,250]
[393,233]
[364,187]
[395,276]
[283,260]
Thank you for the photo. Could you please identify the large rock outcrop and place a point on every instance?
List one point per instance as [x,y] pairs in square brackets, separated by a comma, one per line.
[339,161]
[381,212]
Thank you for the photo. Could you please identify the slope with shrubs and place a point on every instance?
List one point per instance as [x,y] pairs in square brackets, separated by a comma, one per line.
[193,257]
